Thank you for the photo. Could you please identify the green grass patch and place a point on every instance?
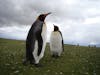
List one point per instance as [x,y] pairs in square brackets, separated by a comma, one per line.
[73,61]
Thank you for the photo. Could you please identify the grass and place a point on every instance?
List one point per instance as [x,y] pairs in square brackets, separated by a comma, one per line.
[74,60]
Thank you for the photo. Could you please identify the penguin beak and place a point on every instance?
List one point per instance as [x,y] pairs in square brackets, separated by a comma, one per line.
[47,13]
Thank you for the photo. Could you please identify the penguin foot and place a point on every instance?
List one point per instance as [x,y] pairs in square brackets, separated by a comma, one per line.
[55,56]
[38,65]
[24,62]
[32,62]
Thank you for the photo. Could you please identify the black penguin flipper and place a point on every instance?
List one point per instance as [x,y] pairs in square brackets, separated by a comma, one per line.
[63,44]
[40,43]
[62,41]
[29,49]
[30,42]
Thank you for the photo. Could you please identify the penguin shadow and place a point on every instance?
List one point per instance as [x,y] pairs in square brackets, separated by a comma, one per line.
[55,56]
[43,63]
[31,64]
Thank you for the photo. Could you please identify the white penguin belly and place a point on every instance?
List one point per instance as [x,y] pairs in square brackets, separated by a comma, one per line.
[43,34]
[44,37]
[56,42]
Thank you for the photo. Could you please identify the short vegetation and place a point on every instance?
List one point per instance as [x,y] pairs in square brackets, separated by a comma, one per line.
[75,60]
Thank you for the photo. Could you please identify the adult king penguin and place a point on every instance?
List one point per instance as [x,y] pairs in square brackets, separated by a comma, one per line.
[56,42]
[36,41]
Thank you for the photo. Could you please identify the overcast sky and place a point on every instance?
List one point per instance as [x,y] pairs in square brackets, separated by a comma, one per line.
[78,20]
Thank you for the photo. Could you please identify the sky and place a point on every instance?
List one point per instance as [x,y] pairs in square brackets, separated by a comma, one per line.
[78,20]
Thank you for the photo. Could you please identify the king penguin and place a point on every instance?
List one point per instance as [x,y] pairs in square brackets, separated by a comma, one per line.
[36,41]
[56,42]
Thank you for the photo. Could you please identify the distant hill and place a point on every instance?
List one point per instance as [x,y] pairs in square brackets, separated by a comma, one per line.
[98,45]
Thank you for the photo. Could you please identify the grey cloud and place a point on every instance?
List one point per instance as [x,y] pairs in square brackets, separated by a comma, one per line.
[10,15]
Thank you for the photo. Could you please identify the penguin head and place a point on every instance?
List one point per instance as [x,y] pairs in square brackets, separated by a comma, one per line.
[56,28]
[43,16]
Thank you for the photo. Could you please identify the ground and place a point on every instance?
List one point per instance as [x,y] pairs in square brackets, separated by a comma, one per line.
[75,60]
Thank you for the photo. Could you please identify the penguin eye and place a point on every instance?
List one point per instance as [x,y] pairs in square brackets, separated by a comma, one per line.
[42,17]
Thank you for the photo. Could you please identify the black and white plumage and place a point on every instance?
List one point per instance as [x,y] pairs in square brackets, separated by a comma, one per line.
[56,42]
[36,40]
